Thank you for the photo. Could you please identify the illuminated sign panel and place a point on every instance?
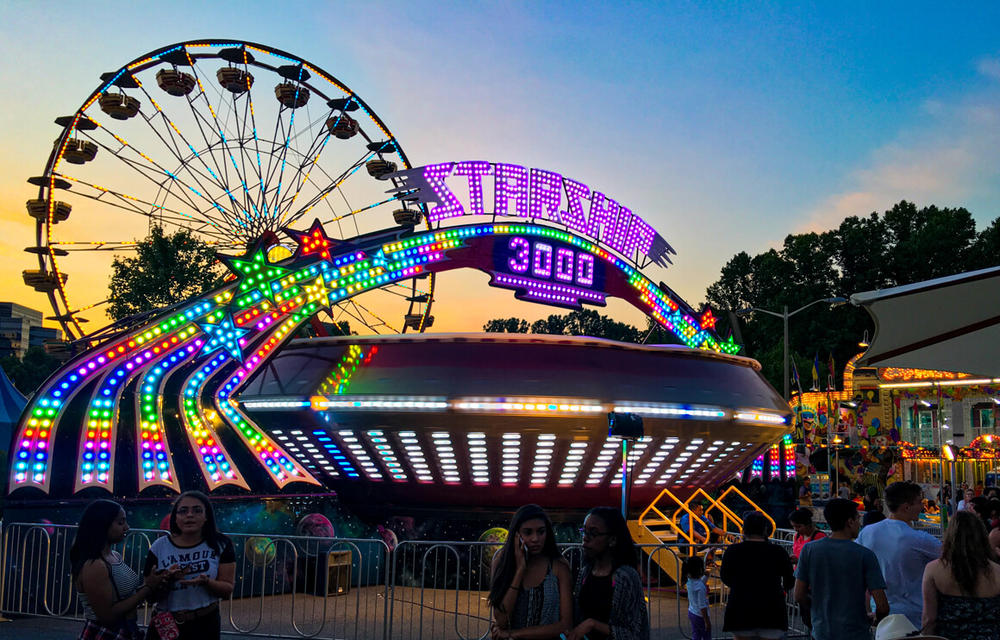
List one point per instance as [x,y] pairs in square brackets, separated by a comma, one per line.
[533,194]
[548,271]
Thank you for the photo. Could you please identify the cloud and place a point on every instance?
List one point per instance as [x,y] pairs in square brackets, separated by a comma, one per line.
[990,67]
[949,161]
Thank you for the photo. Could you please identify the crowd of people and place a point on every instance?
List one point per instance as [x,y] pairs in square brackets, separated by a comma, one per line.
[532,592]
[880,571]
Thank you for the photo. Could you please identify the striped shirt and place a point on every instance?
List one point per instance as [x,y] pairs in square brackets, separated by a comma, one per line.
[124,582]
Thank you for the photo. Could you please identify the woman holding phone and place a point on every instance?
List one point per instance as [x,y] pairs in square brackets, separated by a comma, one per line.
[530,590]
[202,565]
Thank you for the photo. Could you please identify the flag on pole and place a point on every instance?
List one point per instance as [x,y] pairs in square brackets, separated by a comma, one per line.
[795,378]
[815,386]
[833,373]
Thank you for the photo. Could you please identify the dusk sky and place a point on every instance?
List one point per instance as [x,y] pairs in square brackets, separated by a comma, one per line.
[726,126]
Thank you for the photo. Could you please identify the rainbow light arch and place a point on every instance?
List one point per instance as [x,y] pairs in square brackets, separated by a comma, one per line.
[217,341]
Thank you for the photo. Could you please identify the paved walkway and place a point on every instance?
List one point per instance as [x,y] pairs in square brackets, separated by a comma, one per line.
[51,629]
[32,628]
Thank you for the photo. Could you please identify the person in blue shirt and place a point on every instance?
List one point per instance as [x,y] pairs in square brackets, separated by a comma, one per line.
[833,575]
[902,551]
[702,529]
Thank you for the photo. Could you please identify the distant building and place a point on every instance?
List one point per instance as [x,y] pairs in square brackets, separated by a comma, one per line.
[21,328]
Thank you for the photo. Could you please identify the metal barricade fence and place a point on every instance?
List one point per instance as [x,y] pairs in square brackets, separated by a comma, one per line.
[294,587]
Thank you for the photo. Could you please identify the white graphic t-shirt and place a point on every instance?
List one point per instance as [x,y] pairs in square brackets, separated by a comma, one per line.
[195,561]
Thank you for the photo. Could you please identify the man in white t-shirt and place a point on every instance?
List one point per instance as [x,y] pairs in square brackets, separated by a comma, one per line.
[901,550]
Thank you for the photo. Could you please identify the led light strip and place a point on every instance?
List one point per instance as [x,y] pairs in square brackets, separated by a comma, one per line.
[547,292]
[415,456]
[479,458]
[674,410]
[153,457]
[657,461]
[213,460]
[333,452]
[351,442]
[525,405]
[365,403]
[543,459]
[755,416]
[573,462]
[380,443]
[786,440]
[444,451]
[510,457]
[605,457]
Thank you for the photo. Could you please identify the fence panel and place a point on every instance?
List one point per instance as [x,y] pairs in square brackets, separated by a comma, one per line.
[292,587]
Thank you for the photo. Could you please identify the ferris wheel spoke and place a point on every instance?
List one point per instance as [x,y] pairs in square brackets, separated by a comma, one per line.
[380,322]
[400,290]
[199,117]
[305,170]
[332,186]
[357,211]
[281,161]
[160,175]
[128,203]
[174,132]
[252,120]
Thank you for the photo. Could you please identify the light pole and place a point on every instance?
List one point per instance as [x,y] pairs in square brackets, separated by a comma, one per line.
[785,315]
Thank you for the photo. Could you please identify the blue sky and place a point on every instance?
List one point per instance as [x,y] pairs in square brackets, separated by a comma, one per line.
[726,125]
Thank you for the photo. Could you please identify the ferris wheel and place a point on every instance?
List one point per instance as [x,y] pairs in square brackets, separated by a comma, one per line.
[231,141]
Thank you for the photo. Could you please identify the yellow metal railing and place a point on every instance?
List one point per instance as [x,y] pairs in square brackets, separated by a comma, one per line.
[682,507]
[732,489]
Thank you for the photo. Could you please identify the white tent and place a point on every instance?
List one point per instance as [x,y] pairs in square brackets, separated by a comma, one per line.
[946,324]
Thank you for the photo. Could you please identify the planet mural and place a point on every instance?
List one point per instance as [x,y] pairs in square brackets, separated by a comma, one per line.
[388,537]
[497,536]
[314,525]
[259,550]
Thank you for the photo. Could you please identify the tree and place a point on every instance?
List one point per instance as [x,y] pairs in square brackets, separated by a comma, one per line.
[30,371]
[167,269]
[506,325]
[582,322]
[905,244]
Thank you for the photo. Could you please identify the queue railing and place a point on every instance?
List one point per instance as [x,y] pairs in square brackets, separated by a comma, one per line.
[357,589]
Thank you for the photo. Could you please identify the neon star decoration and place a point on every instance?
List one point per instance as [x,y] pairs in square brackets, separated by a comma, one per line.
[313,242]
[224,335]
[205,340]
[255,277]
[708,320]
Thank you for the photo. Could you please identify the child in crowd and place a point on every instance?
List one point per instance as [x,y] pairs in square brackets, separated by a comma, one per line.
[697,590]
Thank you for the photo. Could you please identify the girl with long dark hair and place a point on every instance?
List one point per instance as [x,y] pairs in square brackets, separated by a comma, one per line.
[204,564]
[962,589]
[530,586]
[608,598]
[110,592]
